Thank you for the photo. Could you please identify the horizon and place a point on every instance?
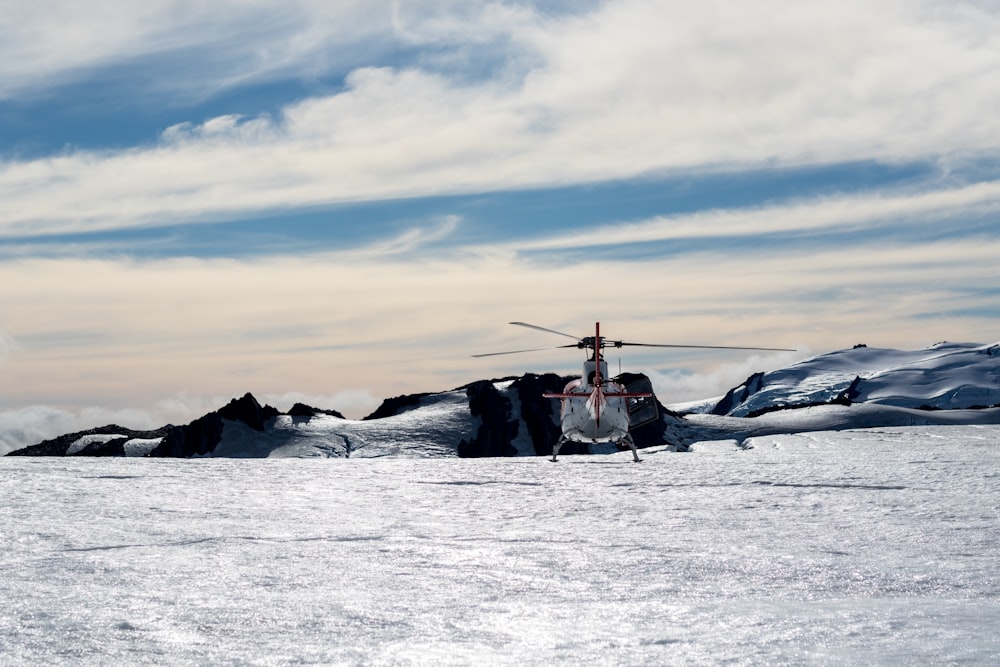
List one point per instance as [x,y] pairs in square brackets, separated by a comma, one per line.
[336,205]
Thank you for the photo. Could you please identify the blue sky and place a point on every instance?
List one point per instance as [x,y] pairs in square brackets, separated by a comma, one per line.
[338,202]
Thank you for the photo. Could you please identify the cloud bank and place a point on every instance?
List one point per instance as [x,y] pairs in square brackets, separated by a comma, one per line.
[626,89]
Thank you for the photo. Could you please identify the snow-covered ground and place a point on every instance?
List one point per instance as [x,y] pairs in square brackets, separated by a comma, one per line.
[946,376]
[878,546]
[429,431]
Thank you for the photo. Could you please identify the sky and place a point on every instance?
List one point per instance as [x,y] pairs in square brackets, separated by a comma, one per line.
[338,202]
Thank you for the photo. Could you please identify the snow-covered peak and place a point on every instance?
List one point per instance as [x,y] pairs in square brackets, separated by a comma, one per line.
[943,376]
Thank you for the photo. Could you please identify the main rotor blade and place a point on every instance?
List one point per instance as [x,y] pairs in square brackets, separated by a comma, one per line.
[619,343]
[534,326]
[537,349]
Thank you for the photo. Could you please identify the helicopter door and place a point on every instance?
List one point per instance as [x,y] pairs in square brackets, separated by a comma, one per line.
[641,410]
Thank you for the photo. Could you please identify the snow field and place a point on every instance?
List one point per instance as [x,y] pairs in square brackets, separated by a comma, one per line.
[856,547]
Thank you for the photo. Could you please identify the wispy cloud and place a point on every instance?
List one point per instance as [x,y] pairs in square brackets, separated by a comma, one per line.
[194,48]
[410,241]
[6,345]
[678,385]
[847,213]
[692,89]
[34,424]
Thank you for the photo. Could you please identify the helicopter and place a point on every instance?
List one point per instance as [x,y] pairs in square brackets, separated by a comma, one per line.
[596,407]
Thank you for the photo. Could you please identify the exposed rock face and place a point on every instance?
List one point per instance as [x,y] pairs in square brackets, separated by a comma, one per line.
[739,394]
[204,434]
[303,410]
[197,438]
[248,411]
[200,437]
[396,405]
[540,415]
[497,430]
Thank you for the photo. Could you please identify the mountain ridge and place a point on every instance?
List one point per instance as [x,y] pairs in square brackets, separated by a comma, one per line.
[859,387]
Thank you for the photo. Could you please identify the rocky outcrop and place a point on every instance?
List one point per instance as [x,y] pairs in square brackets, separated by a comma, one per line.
[739,394]
[101,441]
[541,415]
[396,405]
[248,411]
[204,434]
[303,410]
[198,438]
[496,430]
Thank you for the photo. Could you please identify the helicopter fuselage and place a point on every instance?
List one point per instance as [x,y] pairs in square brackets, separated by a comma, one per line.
[591,412]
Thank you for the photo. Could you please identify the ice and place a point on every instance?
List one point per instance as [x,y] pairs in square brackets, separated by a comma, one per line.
[946,376]
[873,546]
[425,431]
[141,446]
[79,444]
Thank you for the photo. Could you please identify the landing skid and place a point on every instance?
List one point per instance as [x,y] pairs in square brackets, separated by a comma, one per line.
[635,454]
[563,440]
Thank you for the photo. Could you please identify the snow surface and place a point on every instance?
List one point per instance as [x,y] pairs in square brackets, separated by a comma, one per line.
[79,444]
[431,430]
[946,376]
[875,546]
[141,446]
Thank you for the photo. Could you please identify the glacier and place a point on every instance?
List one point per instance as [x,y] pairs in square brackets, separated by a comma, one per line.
[869,546]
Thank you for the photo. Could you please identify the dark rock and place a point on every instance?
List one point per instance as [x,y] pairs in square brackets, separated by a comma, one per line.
[114,447]
[204,434]
[391,407]
[248,411]
[303,410]
[847,396]
[739,394]
[497,431]
[60,445]
[540,414]
[197,438]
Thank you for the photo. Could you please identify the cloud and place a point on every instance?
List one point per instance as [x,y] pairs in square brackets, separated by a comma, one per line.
[33,424]
[331,323]
[37,423]
[182,51]
[769,83]
[7,345]
[907,210]
[678,386]
[410,240]
[352,403]
[194,49]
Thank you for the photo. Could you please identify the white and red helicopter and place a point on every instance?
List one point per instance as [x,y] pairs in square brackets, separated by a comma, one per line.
[595,406]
